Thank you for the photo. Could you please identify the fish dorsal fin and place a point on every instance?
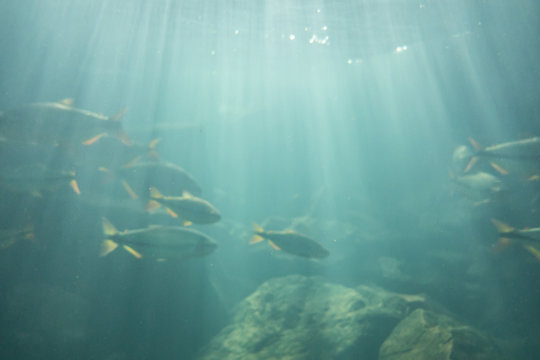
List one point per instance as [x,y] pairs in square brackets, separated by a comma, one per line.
[475,144]
[289,231]
[155,194]
[255,239]
[67,101]
[187,195]
[108,228]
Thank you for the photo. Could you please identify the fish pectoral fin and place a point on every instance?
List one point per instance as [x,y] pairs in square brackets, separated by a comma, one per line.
[132,162]
[499,169]
[188,223]
[171,212]
[75,186]
[255,239]
[471,163]
[129,190]
[107,247]
[274,245]
[502,244]
[94,139]
[132,251]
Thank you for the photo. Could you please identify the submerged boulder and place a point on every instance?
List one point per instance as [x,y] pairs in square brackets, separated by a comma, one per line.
[297,317]
[428,335]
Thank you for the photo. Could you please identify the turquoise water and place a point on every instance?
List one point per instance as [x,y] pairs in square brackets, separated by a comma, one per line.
[337,119]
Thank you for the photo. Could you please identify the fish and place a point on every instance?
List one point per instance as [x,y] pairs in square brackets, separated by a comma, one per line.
[35,178]
[290,242]
[58,123]
[8,237]
[480,181]
[520,151]
[529,238]
[158,242]
[109,152]
[189,208]
[169,178]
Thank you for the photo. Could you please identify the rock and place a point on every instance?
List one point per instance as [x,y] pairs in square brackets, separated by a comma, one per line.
[427,335]
[297,317]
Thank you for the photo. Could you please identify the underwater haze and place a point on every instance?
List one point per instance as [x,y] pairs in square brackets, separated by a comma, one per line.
[284,179]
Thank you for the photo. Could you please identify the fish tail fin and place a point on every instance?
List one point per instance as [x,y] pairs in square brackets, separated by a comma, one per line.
[477,148]
[255,239]
[502,244]
[107,247]
[108,228]
[155,194]
[152,149]
[257,228]
[501,227]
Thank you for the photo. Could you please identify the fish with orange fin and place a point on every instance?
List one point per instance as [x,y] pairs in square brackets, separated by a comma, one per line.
[36,178]
[9,237]
[59,123]
[169,178]
[509,157]
[529,238]
[290,242]
[157,242]
[188,208]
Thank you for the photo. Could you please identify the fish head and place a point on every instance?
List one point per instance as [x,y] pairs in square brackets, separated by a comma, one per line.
[204,247]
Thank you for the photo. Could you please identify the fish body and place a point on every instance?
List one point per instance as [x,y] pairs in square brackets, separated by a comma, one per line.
[158,242]
[481,182]
[518,157]
[291,242]
[56,123]
[169,178]
[187,207]
[529,238]
[35,178]
[8,237]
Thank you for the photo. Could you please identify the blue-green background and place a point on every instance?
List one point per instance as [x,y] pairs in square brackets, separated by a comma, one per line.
[361,119]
